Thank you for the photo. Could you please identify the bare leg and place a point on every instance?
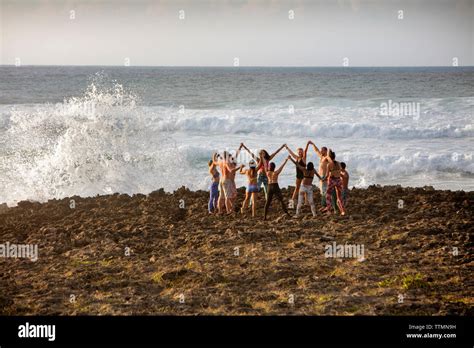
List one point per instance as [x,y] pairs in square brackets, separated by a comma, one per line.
[297,189]
[340,204]
[228,205]
[254,205]
[245,202]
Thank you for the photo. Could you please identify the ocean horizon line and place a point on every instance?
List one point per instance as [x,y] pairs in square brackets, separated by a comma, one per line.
[248,66]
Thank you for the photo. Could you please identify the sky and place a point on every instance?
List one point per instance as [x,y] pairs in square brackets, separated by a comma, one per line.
[247,33]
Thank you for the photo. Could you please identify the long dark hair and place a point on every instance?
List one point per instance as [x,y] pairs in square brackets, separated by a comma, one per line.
[310,166]
[266,156]
[332,155]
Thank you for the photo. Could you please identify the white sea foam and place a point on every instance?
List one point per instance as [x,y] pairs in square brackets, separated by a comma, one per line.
[105,141]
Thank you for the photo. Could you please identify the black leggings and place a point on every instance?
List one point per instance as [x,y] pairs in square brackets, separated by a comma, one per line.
[274,189]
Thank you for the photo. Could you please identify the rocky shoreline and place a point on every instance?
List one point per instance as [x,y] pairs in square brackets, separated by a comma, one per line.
[162,253]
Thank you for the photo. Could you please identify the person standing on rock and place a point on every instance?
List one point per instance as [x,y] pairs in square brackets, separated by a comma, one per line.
[227,188]
[274,188]
[345,185]
[214,188]
[252,189]
[306,186]
[263,165]
[334,183]
[300,158]
[322,171]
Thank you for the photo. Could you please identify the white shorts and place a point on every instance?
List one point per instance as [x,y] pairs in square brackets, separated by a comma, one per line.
[308,189]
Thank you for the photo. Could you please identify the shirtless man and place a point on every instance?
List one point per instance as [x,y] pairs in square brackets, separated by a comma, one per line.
[274,188]
[322,171]
[345,184]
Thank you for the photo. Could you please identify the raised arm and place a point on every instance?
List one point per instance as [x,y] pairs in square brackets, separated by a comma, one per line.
[250,152]
[278,171]
[215,158]
[276,152]
[305,152]
[294,155]
[236,169]
[238,150]
[315,149]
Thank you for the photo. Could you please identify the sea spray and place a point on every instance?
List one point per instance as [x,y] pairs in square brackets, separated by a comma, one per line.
[95,144]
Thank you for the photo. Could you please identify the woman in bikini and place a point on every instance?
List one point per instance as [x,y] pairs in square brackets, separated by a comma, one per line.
[252,188]
[263,165]
[306,186]
[214,188]
[274,188]
[334,182]
[300,158]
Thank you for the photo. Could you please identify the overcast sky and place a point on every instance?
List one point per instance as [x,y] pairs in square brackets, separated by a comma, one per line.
[258,33]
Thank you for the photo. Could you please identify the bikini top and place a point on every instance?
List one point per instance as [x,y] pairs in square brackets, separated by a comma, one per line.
[216,174]
[267,166]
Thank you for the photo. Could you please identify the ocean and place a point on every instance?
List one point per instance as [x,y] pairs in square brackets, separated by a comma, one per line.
[68,130]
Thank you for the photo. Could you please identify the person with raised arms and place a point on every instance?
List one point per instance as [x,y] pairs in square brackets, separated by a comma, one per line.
[306,186]
[300,158]
[322,171]
[274,188]
[263,165]
[227,189]
[252,189]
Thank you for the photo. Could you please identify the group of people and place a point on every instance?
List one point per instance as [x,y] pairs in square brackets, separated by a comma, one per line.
[263,173]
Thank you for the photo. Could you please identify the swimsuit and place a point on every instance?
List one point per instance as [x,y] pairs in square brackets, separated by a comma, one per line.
[252,188]
[299,172]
